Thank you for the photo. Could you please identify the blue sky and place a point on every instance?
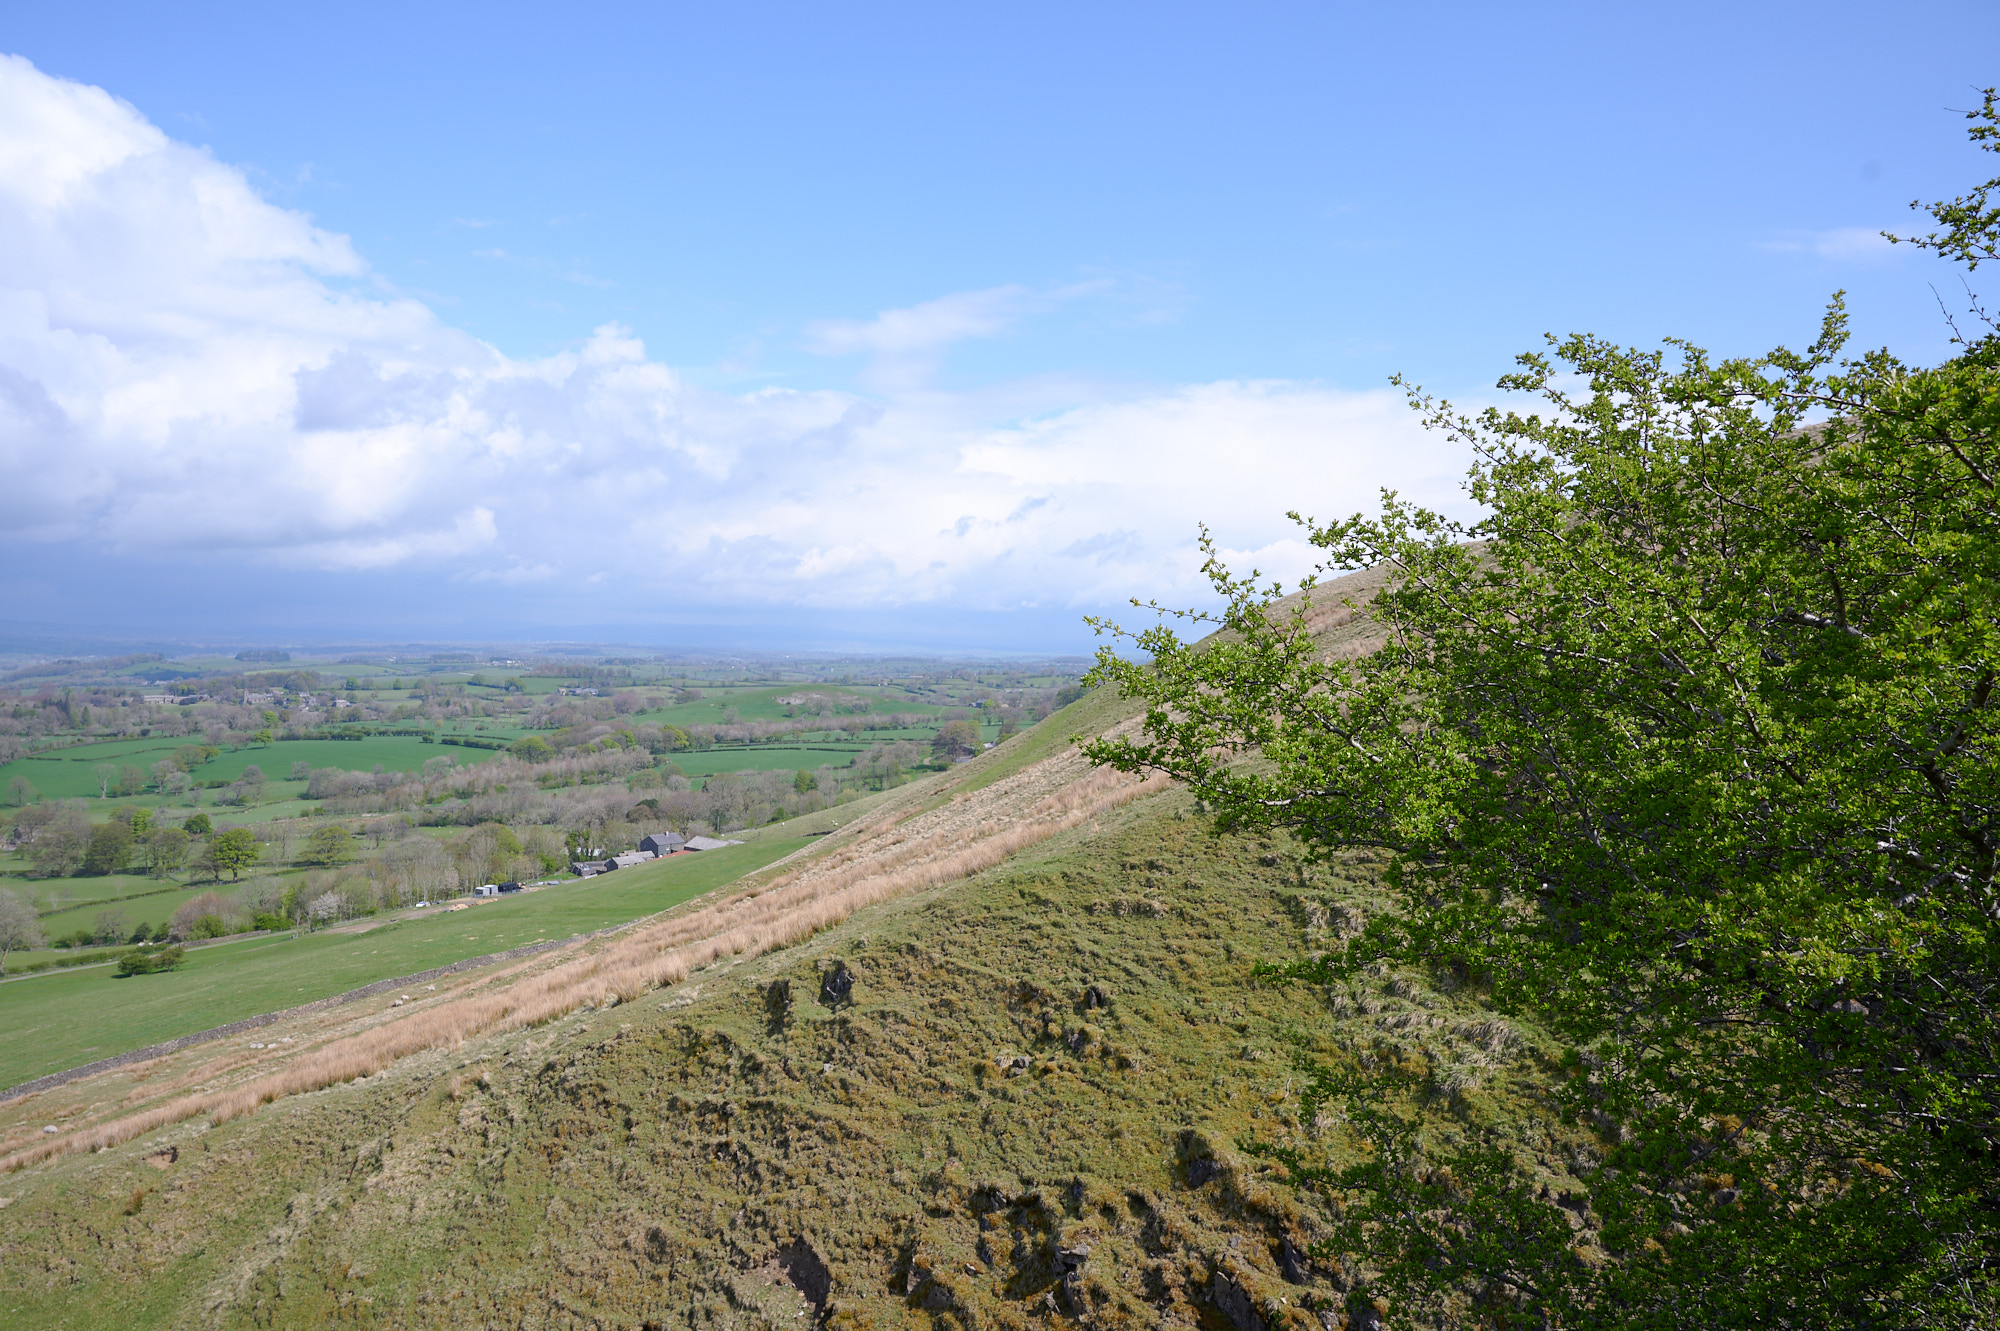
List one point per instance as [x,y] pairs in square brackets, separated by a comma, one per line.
[880,325]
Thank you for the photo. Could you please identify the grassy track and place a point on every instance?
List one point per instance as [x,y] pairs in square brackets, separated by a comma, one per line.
[61,1019]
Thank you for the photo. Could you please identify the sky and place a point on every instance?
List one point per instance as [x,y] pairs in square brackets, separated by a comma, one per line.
[872,326]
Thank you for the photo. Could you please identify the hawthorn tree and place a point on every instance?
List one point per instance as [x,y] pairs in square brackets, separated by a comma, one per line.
[234,851]
[166,850]
[1688,752]
[110,846]
[329,846]
[955,739]
[59,844]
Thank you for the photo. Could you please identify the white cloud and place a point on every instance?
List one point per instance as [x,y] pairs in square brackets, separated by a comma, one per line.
[185,367]
[905,346]
[1843,244]
[921,329]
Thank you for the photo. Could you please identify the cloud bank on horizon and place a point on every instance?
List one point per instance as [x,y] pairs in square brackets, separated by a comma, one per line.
[188,371]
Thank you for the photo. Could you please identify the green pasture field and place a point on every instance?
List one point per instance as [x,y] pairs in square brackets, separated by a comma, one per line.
[760,758]
[867,737]
[535,686]
[143,899]
[71,773]
[283,799]
[60,1019]
[154,909]
[111,750]
[276,811]
[506,730]
[760,703]
[791,757]
[93,892]
[394,753]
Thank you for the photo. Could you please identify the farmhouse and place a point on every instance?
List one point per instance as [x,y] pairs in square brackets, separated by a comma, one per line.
[662,843]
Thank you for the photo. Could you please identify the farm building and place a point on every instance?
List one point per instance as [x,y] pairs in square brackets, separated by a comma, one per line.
[662,843]
[709,843]
[627,860]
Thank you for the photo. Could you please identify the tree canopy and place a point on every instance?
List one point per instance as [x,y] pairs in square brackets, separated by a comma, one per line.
[955,739]
[19,929]
[1687,750]
[233,851]
[329,846]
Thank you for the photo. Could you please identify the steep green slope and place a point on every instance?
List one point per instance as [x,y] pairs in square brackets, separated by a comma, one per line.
[969,1140]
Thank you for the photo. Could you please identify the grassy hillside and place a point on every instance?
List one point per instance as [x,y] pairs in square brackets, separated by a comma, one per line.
[60,1019]
[969,1140]
[1031,1107]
